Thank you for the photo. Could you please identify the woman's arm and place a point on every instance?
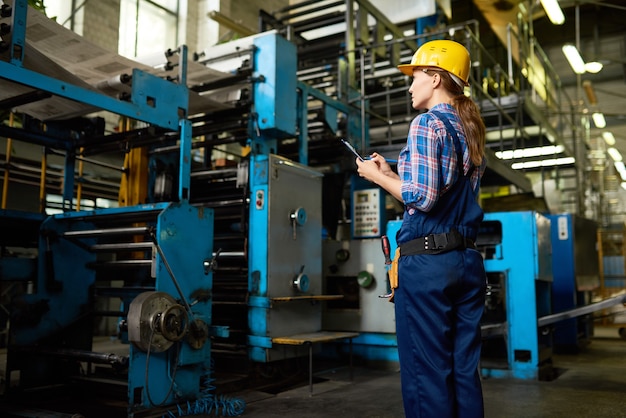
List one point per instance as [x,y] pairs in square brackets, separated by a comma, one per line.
[377,170]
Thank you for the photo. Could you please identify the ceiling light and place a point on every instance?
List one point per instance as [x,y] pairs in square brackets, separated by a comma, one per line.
[593,67]
[615,154]
[608,138]
[544,163]
[574,58]
[598,120]
[554,12]
[530,152]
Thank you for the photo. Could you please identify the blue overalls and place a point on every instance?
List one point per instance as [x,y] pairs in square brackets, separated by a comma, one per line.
[439,303]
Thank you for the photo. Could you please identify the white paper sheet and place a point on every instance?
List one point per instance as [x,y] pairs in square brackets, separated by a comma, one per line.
[56,51]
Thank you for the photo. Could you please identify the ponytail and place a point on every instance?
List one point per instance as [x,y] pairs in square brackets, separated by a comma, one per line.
[474,126]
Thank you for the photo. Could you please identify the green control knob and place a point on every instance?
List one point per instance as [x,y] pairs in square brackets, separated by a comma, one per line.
[365,279]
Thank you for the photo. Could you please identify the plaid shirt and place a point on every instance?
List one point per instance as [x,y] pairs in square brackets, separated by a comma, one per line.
[427,164]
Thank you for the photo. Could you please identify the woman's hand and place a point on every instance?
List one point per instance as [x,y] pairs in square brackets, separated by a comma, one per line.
[374,168]
[368,169]
[377,170]
[382,163]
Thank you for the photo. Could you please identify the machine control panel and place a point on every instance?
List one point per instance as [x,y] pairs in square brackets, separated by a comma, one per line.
[367,213]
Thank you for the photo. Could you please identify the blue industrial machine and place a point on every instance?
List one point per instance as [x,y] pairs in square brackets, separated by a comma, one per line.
[284,255]
[267,282]
[137,254]
[156,258]
[575,276]
[518,261]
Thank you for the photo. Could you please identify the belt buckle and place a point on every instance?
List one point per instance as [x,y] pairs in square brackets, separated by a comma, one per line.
[438,241]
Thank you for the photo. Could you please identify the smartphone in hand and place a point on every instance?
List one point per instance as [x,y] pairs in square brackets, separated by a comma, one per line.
[351,148]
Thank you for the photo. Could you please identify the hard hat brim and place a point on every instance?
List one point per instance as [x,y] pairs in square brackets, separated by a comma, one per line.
[407,69]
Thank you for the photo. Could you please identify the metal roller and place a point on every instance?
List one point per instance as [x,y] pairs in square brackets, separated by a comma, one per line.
[220,190]
[106,231]
[112,359]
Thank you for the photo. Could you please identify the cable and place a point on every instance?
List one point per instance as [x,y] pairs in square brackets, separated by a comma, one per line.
[169,391]
[208,403]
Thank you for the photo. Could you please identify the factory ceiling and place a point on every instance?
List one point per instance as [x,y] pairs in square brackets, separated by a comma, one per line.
[597,29]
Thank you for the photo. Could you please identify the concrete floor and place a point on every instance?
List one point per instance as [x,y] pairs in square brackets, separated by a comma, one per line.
[590,384]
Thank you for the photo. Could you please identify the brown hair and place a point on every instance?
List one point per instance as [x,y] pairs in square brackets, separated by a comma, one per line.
[473,123]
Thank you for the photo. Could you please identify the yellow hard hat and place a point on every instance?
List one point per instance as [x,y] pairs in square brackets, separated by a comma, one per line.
[448,55]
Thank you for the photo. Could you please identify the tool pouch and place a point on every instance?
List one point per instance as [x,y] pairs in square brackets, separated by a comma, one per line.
[393,274]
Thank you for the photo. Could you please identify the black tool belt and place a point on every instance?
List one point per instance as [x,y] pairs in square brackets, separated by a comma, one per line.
[436,244]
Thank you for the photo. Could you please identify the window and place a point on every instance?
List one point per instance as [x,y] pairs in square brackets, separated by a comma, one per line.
[147,26]
[66,13]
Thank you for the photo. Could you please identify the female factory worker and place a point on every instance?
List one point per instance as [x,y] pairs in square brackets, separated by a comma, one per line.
[441,277]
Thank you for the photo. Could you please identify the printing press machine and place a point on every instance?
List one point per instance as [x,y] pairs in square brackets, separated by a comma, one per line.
[212,264]
[134,254]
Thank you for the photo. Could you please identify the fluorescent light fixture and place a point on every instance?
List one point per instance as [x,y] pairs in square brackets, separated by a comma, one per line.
[593,67]
[615,154]
[543,163]
[574,58]
[554,12]
[529,152]
[608,138]
[598,120]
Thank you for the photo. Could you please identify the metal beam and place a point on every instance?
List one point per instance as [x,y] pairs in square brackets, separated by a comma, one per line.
[573,313]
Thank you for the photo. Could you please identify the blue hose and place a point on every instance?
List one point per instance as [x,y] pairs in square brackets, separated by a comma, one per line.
[209,404]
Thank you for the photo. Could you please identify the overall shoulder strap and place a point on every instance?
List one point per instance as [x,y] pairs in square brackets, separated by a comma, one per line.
[457,143]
